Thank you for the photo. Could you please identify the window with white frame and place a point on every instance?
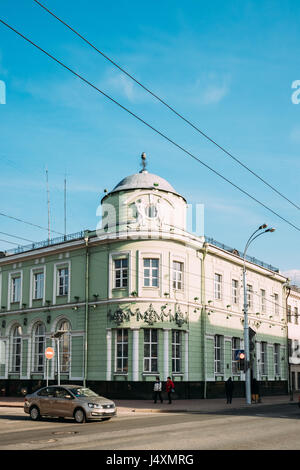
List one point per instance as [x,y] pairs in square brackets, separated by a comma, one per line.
[176,351]
[150,350]
[218,286]
[277,359]
[218,354]
[2,352]
[63,281]
[121,272]
[151,272]
[235,346]
[235,291]
[65,346]
[249,296]
[289,314]
[16,339]
[276,304]
[16,288]
[177,275]
[263,300]
[122,350]
[39,348]
[296,315]
[263,358]
[38,285]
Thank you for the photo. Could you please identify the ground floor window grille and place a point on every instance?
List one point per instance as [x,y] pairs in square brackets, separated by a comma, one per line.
[16,349]
[277,359]
[218,354]
[176,351]
[150,350]
[122,351]
[263,359]
[235,347]
[39,348]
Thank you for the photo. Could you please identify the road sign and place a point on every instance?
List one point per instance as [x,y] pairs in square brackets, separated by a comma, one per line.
[239,354]
[49,353]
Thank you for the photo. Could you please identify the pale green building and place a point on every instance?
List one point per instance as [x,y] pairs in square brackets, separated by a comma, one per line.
[138,297]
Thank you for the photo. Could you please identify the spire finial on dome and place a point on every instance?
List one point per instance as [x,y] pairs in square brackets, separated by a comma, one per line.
[144,163]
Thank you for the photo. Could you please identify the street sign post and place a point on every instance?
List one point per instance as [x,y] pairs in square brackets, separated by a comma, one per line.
[49,353]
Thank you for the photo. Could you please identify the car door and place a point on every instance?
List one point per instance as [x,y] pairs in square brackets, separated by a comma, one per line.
[63,402]
[45,400]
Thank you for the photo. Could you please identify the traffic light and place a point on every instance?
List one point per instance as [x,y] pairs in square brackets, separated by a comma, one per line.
[242,362]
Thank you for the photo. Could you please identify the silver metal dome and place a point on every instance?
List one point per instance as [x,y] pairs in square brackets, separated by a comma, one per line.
[144,180]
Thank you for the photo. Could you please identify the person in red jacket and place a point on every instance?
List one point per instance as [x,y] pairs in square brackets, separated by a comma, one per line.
[169,388]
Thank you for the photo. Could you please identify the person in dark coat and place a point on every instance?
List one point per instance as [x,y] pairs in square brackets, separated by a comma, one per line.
[255,391]
[229,389]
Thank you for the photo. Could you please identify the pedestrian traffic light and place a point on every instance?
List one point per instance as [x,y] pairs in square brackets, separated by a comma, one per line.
[242,362]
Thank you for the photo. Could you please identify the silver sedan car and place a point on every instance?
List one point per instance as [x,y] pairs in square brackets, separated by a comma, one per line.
[68,401]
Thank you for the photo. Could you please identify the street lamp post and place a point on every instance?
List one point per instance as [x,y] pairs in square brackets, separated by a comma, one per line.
[246,323]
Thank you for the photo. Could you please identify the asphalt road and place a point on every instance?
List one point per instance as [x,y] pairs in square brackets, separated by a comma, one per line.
[272,427]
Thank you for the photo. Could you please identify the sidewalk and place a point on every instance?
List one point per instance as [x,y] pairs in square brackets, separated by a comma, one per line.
[184,406]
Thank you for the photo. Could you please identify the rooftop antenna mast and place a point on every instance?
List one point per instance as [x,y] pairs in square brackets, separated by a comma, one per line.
[48,203]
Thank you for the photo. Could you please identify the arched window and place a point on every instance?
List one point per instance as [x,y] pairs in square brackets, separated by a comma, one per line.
[16,349]
[64,346]
[39,347]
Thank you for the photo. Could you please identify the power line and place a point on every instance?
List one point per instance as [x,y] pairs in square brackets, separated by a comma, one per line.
[149,125]
[169,106]
[15,236]
[25,222]
[6,241]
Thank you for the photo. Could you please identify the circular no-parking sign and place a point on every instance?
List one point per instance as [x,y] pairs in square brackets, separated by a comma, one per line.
[49,353]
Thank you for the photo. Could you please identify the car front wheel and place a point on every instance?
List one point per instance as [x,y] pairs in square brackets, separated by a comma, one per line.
[35,413]
[79,416]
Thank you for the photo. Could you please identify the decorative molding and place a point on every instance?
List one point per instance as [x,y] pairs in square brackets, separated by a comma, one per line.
[150,315]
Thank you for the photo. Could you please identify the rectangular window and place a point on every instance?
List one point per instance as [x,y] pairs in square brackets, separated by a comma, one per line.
[236,342]
[235,291]
[38,285]
[151,269]
[122,350]
[289,313]
[277,359]
[263,300]
[16,289]
[150,350]
[63,281]
[263,358]
[250,296]
[218,286]
[121,272]
[296,315]
[177,275]
[176,351]
[218,354]
[276,304]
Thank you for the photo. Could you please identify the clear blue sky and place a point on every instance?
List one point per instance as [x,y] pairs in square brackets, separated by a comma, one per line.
[227,66]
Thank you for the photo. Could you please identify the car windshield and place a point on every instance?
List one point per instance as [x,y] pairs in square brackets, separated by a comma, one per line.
[83,392]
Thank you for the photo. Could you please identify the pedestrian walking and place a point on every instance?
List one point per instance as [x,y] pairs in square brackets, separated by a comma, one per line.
[229,390]
[254,391]
[170,388]
[157,390]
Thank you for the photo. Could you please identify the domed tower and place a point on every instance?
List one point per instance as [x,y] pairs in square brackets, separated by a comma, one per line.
[143,202]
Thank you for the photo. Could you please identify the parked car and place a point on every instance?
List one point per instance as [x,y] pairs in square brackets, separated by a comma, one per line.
[66,401]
